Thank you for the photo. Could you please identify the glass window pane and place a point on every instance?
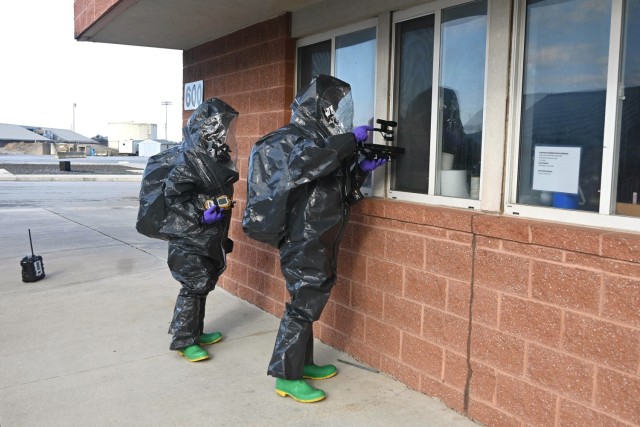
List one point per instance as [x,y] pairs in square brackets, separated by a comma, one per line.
[356,65]
[563,103]
[461,98]
[413,94]
[628,191]
[313,60]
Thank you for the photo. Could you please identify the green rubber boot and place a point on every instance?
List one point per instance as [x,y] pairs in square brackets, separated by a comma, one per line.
[315,372]
[194,353]
[212,338]
[299,390]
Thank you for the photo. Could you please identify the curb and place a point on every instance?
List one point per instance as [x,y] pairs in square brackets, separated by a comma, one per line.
[71,178]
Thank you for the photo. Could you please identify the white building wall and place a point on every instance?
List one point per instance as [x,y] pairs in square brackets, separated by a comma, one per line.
[123,131]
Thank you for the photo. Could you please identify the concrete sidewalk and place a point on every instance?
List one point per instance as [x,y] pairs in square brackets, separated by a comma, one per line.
[88,344]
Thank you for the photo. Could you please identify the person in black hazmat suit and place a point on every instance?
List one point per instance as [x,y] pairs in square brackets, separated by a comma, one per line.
[313,160]
[203,171]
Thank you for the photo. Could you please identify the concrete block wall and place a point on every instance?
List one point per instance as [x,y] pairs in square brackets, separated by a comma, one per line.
[512,322]
[86,12]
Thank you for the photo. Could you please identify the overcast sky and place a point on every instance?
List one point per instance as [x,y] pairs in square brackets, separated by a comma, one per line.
[45,71]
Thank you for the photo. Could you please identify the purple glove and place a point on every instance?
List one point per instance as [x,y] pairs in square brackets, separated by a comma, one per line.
[368,165]
[361,133]
[211,215]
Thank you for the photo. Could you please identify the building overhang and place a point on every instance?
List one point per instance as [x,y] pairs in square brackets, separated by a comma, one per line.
[181,24]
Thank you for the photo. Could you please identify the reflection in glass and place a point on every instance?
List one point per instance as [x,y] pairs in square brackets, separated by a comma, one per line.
[460,100]
[628,188]
[313,60]
[414,70]
[563,95]
[461,97]
[356,65]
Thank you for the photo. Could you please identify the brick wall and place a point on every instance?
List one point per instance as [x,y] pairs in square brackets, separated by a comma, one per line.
[510,321]
[87,12]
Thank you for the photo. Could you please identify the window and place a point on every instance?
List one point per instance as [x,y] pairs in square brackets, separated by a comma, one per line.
[350,55]
[578,108]
[441,130]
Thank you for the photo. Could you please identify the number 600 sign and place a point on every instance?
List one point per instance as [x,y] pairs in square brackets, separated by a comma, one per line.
[192,95]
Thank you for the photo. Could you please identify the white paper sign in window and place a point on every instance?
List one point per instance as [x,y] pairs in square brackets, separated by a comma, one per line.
[556,169]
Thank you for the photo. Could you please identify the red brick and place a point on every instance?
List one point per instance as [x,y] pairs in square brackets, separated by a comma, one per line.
[385,276]
[425,288]
[422,355]
[405,211]
[568,237]
[533,251]
[364,240]
[621,299]
[530,320]
[405,249]
[605,264]
[341,292]
[489,415]
[488,243]
[501,227]
[365,354]
[619,394]
[449,259]
[367,300]
[266,262]
[573,414]
[448,395]
[483,378]
[400,372]
[371,207]
[531,404]
[350,323]
[497,349]
[603,342]
[352,266]
[566,286]
[457,298]
[449,218]
[425,230]
[384,338]
[623,246]
[402,313]
[485,306]
[502,272]
[328,316]
[445,329]
[562,373]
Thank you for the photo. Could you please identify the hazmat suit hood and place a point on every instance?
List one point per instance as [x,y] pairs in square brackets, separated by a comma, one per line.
[324,106]
[211,127]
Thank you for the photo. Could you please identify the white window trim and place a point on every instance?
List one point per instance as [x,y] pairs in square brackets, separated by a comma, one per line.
[331,35]
[435,9]
[381,77]
[603,218]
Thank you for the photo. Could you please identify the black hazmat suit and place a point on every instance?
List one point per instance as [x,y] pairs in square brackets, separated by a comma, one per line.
[312,161]
[197,252]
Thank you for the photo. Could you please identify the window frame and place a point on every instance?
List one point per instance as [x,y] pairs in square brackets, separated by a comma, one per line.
[408,14]
[605,217]
[379,108]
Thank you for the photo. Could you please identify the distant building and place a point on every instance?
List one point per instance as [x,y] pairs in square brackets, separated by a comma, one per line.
[41,138]
[150,147]
[119,132]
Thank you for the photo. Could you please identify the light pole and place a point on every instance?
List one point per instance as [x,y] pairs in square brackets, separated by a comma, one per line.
[73,124]
[166,107]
